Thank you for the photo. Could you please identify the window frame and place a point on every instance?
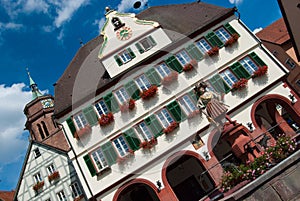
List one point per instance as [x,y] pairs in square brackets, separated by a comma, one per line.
[142,134]
[121,90]
[166,122]
[37,177]
[77,188]
[163,73]
[100,106]
[124,150]
[146,84]
[37,152]
[186,106]
[203,48]
[125,56]
[51,169]
[81,121]
[223,74]
[290,62]
[221,33]
[102,162]
[61,195]
[247,65]
[183,57]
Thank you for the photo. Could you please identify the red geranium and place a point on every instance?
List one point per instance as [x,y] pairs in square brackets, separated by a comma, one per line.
[193,63]
[171,127]
[53,176]
[260,71]
[106,119]
[38,186]
[231,40]
[147,94]
[148,144]
[213,51]
[130,105]
[170,78]
[241,84]
[83,131]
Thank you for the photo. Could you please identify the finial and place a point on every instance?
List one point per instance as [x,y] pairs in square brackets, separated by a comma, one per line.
[34,89]
[107,9]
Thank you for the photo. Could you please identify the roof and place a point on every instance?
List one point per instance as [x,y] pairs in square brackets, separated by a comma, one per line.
[276,33]
[85,77]
[7,195]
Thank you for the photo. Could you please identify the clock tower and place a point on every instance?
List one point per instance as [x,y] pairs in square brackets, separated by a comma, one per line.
[40,122]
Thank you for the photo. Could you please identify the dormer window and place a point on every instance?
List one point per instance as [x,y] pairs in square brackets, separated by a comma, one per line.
[145,44]
[124,56]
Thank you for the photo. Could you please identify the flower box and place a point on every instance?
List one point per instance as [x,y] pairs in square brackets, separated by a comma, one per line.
[128,106]
[55,175]
[260,71]
[148,144]
[213,51]
[171,127]
[193,114]
[147,94]
[233,39]
[173,76]
[241,84]
[122,159]
[106,119]
[83,131]
[79,198]
[38,186]
[190,66]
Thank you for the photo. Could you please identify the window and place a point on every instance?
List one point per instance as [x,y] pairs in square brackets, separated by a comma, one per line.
[187,104]
[163,70]
[50,169]
[99,159]
[164,118]
[229,77]
[76,192]
[121,145]
[298,83]
[183,57]
[203,45]
[122,95]
[143,83]
[249,65]
[290,63]
[145,44]
[48,199]
[222,34]
[61,196]
[37,177]
[80,120]
[37,153]
[101,107]
[124,56]
[144,131]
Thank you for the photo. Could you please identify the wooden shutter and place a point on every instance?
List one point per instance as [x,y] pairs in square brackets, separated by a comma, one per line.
[153,77]
[173,63]
[132,90]
[194,52]
[71,125]
[133,141]
[152,41]
[132,55]
[118,60]
[90,115]
[139,47]
[257,60]
[176,111]
[219,84]
[109,153]
[214,40]
[90,165]
[111,102]
[230,29]
[240,71]
[154,125]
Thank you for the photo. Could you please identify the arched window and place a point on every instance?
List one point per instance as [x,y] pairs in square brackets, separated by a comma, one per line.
[41,131]
[45,129]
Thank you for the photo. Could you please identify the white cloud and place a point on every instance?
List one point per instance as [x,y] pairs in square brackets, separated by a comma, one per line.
[35,6]
[235,1]
[257,30]
[10,26]
[99,23]
[126,5]
[12,120]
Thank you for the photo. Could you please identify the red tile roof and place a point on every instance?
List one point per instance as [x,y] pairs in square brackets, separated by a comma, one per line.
[275,33]
[7,195]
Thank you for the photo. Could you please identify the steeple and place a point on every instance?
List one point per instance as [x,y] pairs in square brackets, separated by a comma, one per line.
[34,89]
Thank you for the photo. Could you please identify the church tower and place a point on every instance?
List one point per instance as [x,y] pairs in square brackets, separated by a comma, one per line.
[40,122]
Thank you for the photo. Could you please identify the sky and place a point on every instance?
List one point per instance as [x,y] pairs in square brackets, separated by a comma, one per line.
[44,36]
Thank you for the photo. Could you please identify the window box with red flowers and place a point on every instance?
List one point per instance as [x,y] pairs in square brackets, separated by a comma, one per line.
[173,76]
[213,51]
[233,39]
[79,198]
[262,70]
[241,84]
[83,131]
[193,114]
[149,93]
[106,119]
[190,66]
[148,144]
[55,175]
[128,106]
[38,186]
[171,127]
[122,159]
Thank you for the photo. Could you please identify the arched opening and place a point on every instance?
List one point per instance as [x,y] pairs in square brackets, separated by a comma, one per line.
[188,178]
[41,131]
[45,128]
[138,192]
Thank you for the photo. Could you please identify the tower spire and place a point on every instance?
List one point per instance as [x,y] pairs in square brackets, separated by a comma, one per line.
[34,89]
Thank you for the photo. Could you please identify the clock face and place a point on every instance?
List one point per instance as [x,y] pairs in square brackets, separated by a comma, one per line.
[47,103]
[124,33]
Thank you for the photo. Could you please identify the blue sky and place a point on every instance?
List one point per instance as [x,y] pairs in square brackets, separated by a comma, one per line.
[44,35]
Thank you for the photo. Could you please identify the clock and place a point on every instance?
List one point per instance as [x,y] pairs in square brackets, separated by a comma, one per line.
[47,103]
[124,33]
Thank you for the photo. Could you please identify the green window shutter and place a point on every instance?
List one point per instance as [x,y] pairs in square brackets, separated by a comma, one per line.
[230,29]
[132,90]
[71,125]
[152,41]
[194,52]
[109,153]
[176,111]
[90,115]
[214,40]
[219,84]
[111,102]
[153,77]
[90,165]
[154,125]
[257,59]
[240,71]
[139,47]
[193,97]
[173,63]
[132,55]
[133,141]
[118,60]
